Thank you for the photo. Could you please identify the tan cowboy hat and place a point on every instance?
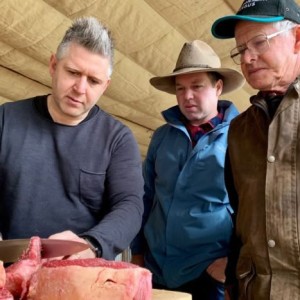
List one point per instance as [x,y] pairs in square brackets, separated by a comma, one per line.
[196,57]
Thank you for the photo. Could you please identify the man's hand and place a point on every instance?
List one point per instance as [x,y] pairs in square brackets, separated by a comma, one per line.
[69,235]
[217,269]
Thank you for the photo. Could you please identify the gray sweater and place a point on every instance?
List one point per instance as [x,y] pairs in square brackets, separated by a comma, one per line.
[85,178]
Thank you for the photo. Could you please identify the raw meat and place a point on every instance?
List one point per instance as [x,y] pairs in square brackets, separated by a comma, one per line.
[18,275]
[2,275]
[4,293]
[73,279]
[90,279]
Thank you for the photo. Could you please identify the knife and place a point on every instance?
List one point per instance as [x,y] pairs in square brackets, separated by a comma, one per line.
[11,250]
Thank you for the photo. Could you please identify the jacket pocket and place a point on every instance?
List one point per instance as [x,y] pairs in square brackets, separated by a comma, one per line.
[92,189]
[245,274]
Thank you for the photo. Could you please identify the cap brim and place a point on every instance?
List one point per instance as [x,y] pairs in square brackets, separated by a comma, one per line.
[223,28]
[232,80]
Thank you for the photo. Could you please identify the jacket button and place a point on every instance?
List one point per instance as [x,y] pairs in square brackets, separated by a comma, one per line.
[271,158]
[271,243]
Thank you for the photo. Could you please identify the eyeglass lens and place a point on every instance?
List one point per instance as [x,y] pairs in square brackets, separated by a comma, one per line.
[257,45]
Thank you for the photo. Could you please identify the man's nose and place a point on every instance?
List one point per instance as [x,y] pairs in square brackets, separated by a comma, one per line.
[248,56]
[188,94]
[81,85]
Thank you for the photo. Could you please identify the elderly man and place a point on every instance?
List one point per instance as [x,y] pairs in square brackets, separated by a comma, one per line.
[187,213]
[264,151]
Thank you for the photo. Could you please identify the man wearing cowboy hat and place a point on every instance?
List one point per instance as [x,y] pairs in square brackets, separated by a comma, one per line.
[187,220]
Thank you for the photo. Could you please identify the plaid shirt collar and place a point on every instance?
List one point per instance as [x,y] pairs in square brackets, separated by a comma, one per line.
[198,131]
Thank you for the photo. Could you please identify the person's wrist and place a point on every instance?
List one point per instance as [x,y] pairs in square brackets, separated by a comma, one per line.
[94,245]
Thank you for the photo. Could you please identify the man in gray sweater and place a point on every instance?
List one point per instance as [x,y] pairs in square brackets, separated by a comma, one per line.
[67,168]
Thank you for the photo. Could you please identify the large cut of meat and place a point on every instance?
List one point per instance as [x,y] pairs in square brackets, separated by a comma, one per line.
[18,275]
[79,279]
[90,279]
[4,293]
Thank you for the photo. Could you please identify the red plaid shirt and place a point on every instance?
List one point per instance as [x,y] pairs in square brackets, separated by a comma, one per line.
[197,131]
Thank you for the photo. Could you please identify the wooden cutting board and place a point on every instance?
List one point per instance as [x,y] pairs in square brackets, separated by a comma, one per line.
[169,295]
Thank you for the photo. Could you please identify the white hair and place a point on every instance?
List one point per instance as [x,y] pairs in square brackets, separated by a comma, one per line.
[285,24]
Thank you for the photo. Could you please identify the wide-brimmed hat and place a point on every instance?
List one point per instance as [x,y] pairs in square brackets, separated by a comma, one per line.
[196,57]
[263,11]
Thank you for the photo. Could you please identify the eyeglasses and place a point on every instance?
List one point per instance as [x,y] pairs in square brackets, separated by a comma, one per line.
[257,45]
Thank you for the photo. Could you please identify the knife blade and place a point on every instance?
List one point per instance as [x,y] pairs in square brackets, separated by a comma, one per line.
[11,250]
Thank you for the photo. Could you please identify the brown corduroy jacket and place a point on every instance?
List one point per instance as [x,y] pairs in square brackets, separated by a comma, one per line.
[264,159]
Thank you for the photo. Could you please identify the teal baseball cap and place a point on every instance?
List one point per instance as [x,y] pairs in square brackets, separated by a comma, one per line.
[263,11]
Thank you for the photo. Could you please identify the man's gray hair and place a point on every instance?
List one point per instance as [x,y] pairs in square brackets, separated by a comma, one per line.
[89,33]
[285,24]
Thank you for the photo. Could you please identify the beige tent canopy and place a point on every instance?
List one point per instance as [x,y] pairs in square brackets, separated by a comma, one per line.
[148,36]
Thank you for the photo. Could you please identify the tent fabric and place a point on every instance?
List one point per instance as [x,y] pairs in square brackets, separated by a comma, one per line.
[148,37]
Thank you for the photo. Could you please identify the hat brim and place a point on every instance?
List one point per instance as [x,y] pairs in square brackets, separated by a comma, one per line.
[232,79]
[223,28]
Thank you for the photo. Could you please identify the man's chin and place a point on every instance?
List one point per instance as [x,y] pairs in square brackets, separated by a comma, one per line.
[259,84]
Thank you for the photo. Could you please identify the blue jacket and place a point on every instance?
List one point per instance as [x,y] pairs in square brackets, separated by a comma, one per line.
[187,220]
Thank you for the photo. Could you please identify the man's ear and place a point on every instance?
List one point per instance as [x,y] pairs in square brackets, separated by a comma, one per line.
[219,86]
[52,64]
[297,41]
[107,84]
